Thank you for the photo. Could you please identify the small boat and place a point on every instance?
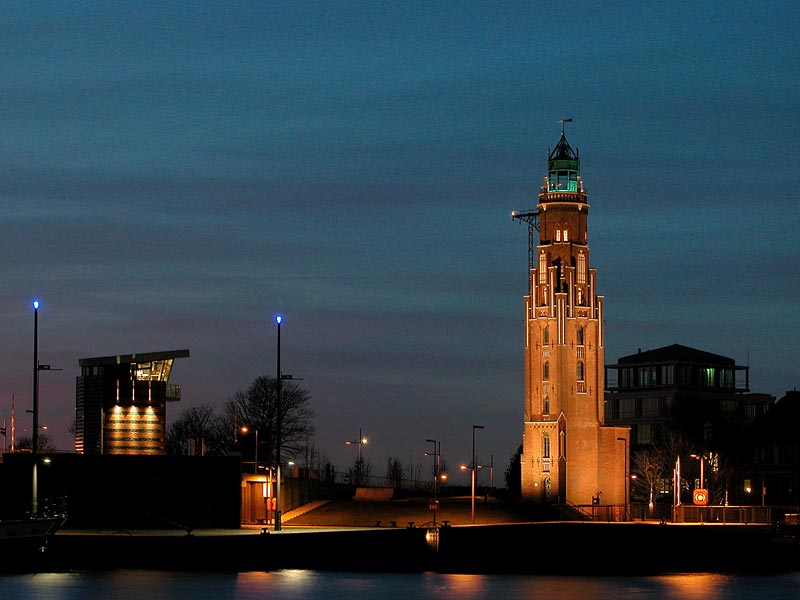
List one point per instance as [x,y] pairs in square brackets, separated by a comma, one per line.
[24,541]
[33,530]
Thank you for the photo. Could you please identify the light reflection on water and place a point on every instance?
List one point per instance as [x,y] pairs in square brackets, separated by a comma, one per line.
[320,585]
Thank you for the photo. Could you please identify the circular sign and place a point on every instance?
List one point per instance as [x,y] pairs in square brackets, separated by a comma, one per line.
[700,497]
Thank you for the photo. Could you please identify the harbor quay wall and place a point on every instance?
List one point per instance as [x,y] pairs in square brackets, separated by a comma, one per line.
[579,548]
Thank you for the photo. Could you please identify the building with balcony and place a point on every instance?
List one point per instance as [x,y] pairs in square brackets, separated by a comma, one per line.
[677,389]
[121,403]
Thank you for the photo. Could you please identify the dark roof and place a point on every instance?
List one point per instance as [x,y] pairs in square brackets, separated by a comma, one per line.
[779,423]
[676,353]
[563,151]
[133,358]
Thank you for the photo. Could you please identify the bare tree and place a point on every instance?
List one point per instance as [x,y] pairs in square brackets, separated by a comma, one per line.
[649,465]
[44,443]
[196,432]
[395,473]
[257,409]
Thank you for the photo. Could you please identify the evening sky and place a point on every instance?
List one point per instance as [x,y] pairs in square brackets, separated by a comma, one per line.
[175,173]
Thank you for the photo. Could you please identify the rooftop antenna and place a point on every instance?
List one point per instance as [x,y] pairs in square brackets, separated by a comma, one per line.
[562,121]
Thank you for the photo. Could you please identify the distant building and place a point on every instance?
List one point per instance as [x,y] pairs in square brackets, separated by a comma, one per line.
[569,455]
[678,389]
[770,456]
[121,401]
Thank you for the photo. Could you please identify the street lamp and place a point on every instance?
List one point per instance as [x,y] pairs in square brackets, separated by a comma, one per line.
[490,466]
[245,429]
[361,441]
[278,418]
[625,474]
[474,470]
[436,457]
[702,459]
[35,432]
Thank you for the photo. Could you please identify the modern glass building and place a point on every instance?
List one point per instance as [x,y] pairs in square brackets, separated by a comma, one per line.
[121,403]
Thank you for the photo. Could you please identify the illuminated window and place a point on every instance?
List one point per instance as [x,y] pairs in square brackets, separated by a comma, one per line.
[581,267]
[558,235]
[566,236]
[562,181]
[708,377]
[542,268]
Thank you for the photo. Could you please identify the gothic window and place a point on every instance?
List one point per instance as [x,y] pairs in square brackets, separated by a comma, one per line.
[558,235]
[580,336]
[542,268]
[546,407]
[566,236]
[546,371]
[581,267]
[579,370]
[546,337]
[545,445]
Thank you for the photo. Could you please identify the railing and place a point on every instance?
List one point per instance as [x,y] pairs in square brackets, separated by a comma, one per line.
[688,513]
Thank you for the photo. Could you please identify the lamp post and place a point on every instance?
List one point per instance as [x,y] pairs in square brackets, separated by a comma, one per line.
[359,472]
[35,431]
[278,419]
[245,429]
[625,474]
[436,456]
[361,441]
[702,459]
[474,470]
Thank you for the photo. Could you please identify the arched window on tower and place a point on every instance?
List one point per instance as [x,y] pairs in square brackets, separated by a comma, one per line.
[542,267]
[546,371]
[580,376]
[558,235]
[546,336]
[580,336]
[546,405]
[566,235]
[545,445]
[581,268]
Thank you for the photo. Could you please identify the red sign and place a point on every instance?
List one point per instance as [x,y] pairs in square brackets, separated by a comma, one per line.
[700,497]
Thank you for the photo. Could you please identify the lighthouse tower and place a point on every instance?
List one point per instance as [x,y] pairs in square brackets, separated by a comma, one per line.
[568,455]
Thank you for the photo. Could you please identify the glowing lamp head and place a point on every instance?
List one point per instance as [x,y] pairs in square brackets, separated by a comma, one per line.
[36,305]
[278,319]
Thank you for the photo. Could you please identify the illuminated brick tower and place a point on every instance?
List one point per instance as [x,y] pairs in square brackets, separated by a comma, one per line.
[568,455]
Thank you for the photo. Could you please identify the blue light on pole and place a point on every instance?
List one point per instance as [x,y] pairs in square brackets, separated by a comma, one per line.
[35,430]
[278,423]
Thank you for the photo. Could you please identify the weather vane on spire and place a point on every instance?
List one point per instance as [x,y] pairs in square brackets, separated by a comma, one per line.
[562,121]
